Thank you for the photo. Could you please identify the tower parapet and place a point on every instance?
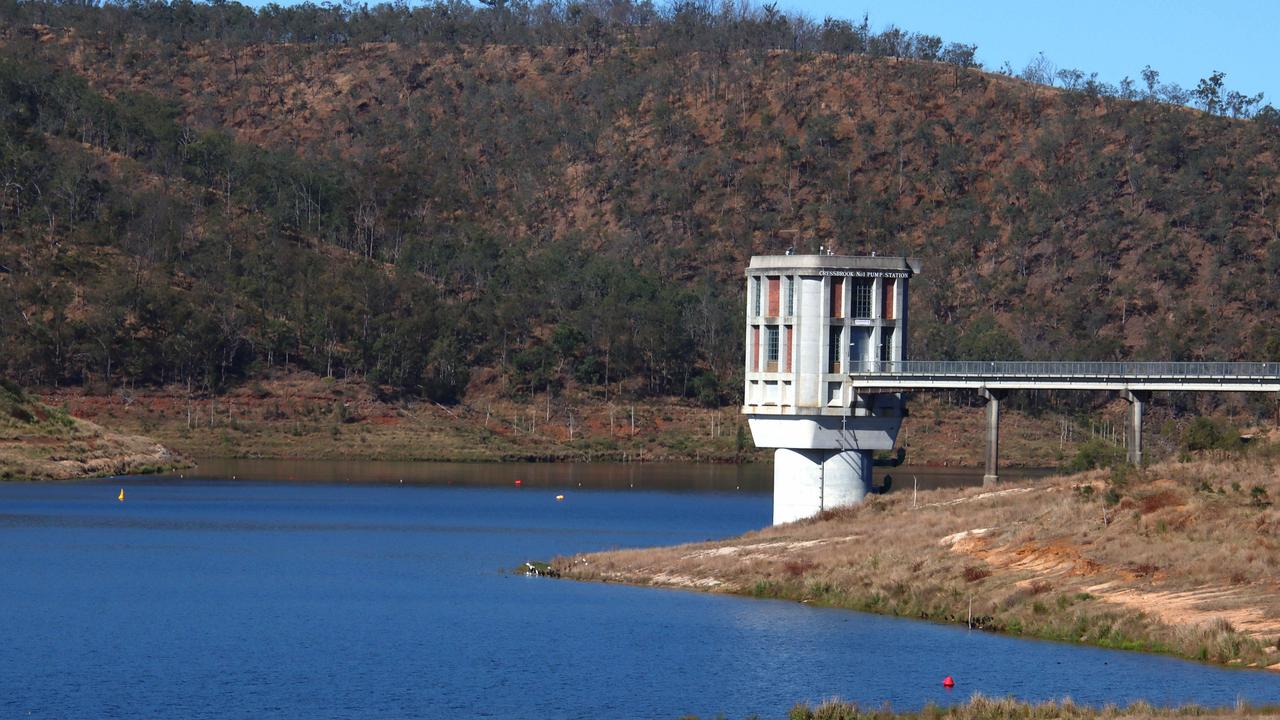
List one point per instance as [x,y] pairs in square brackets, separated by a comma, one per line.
[811,321]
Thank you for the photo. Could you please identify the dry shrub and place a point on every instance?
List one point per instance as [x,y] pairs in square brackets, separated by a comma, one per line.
[1016,598]
[973,573]
[796,568]
[980,707]
[1143,569]
[1268,523]
[1039,587]
[843,513]
[1157,501]
[1179,521]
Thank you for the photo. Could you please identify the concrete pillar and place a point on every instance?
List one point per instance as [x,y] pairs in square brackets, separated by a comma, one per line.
[811,349]
[806,482]
[1137,400]
[992,476]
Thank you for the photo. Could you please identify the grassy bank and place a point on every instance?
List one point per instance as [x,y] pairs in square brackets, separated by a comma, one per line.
[300,415]
[304,416]
[39,442]
[1181,558]
[982,708]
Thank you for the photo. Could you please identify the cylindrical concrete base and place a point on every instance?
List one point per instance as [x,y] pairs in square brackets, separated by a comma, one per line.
[806,482]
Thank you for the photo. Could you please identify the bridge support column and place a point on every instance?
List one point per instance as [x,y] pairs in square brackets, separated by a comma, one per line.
[993,397]
[806,482]
[1137,400]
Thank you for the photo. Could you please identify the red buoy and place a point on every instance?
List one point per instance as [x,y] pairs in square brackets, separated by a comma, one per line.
[947,682]
[519,483]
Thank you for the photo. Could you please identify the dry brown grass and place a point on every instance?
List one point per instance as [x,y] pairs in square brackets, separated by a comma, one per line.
[297,414]
[38,442]
[301,415]
[1186,562]
[983,708]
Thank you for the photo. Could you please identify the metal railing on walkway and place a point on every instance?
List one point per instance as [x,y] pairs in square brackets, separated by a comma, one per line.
[1056,369]
[891,376]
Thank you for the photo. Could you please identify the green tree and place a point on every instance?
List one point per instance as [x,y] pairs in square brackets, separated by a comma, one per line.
[1208,92]
[985,339]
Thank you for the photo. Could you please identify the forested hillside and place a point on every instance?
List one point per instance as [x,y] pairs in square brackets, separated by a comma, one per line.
[449,199]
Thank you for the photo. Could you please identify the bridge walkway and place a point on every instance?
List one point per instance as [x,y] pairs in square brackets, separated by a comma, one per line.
[1135,381]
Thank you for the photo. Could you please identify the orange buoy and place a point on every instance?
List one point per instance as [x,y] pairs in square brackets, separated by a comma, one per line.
[947,682]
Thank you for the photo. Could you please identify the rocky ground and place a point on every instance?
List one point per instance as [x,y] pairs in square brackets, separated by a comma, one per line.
[39,442]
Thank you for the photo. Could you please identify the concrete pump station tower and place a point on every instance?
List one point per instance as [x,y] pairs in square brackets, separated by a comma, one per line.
[812,321]
[827,369]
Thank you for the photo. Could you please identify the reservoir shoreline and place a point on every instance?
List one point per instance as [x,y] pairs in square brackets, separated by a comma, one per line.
[298,415]
[1054,559]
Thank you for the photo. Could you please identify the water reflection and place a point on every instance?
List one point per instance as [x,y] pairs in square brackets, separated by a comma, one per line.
[676,477]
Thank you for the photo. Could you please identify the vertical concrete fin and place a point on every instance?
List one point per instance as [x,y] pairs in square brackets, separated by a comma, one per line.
[993,397]
[1137,400]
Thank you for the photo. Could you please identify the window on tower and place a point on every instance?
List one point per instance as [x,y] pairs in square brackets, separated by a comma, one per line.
[862,297]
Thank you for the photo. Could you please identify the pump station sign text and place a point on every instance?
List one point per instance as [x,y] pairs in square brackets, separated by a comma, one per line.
[865,273]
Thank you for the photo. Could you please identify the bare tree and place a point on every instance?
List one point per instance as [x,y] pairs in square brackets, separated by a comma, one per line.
[1040,70]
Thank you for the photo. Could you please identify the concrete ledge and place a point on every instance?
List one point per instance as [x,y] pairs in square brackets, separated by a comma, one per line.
[824,433]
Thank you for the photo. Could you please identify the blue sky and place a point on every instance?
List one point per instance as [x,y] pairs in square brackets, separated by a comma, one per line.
[1184,40]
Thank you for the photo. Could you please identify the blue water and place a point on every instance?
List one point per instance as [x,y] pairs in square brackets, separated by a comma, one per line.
[220,599]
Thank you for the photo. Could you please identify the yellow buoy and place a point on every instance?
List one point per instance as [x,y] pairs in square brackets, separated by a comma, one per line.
[559,498]
[121,498]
